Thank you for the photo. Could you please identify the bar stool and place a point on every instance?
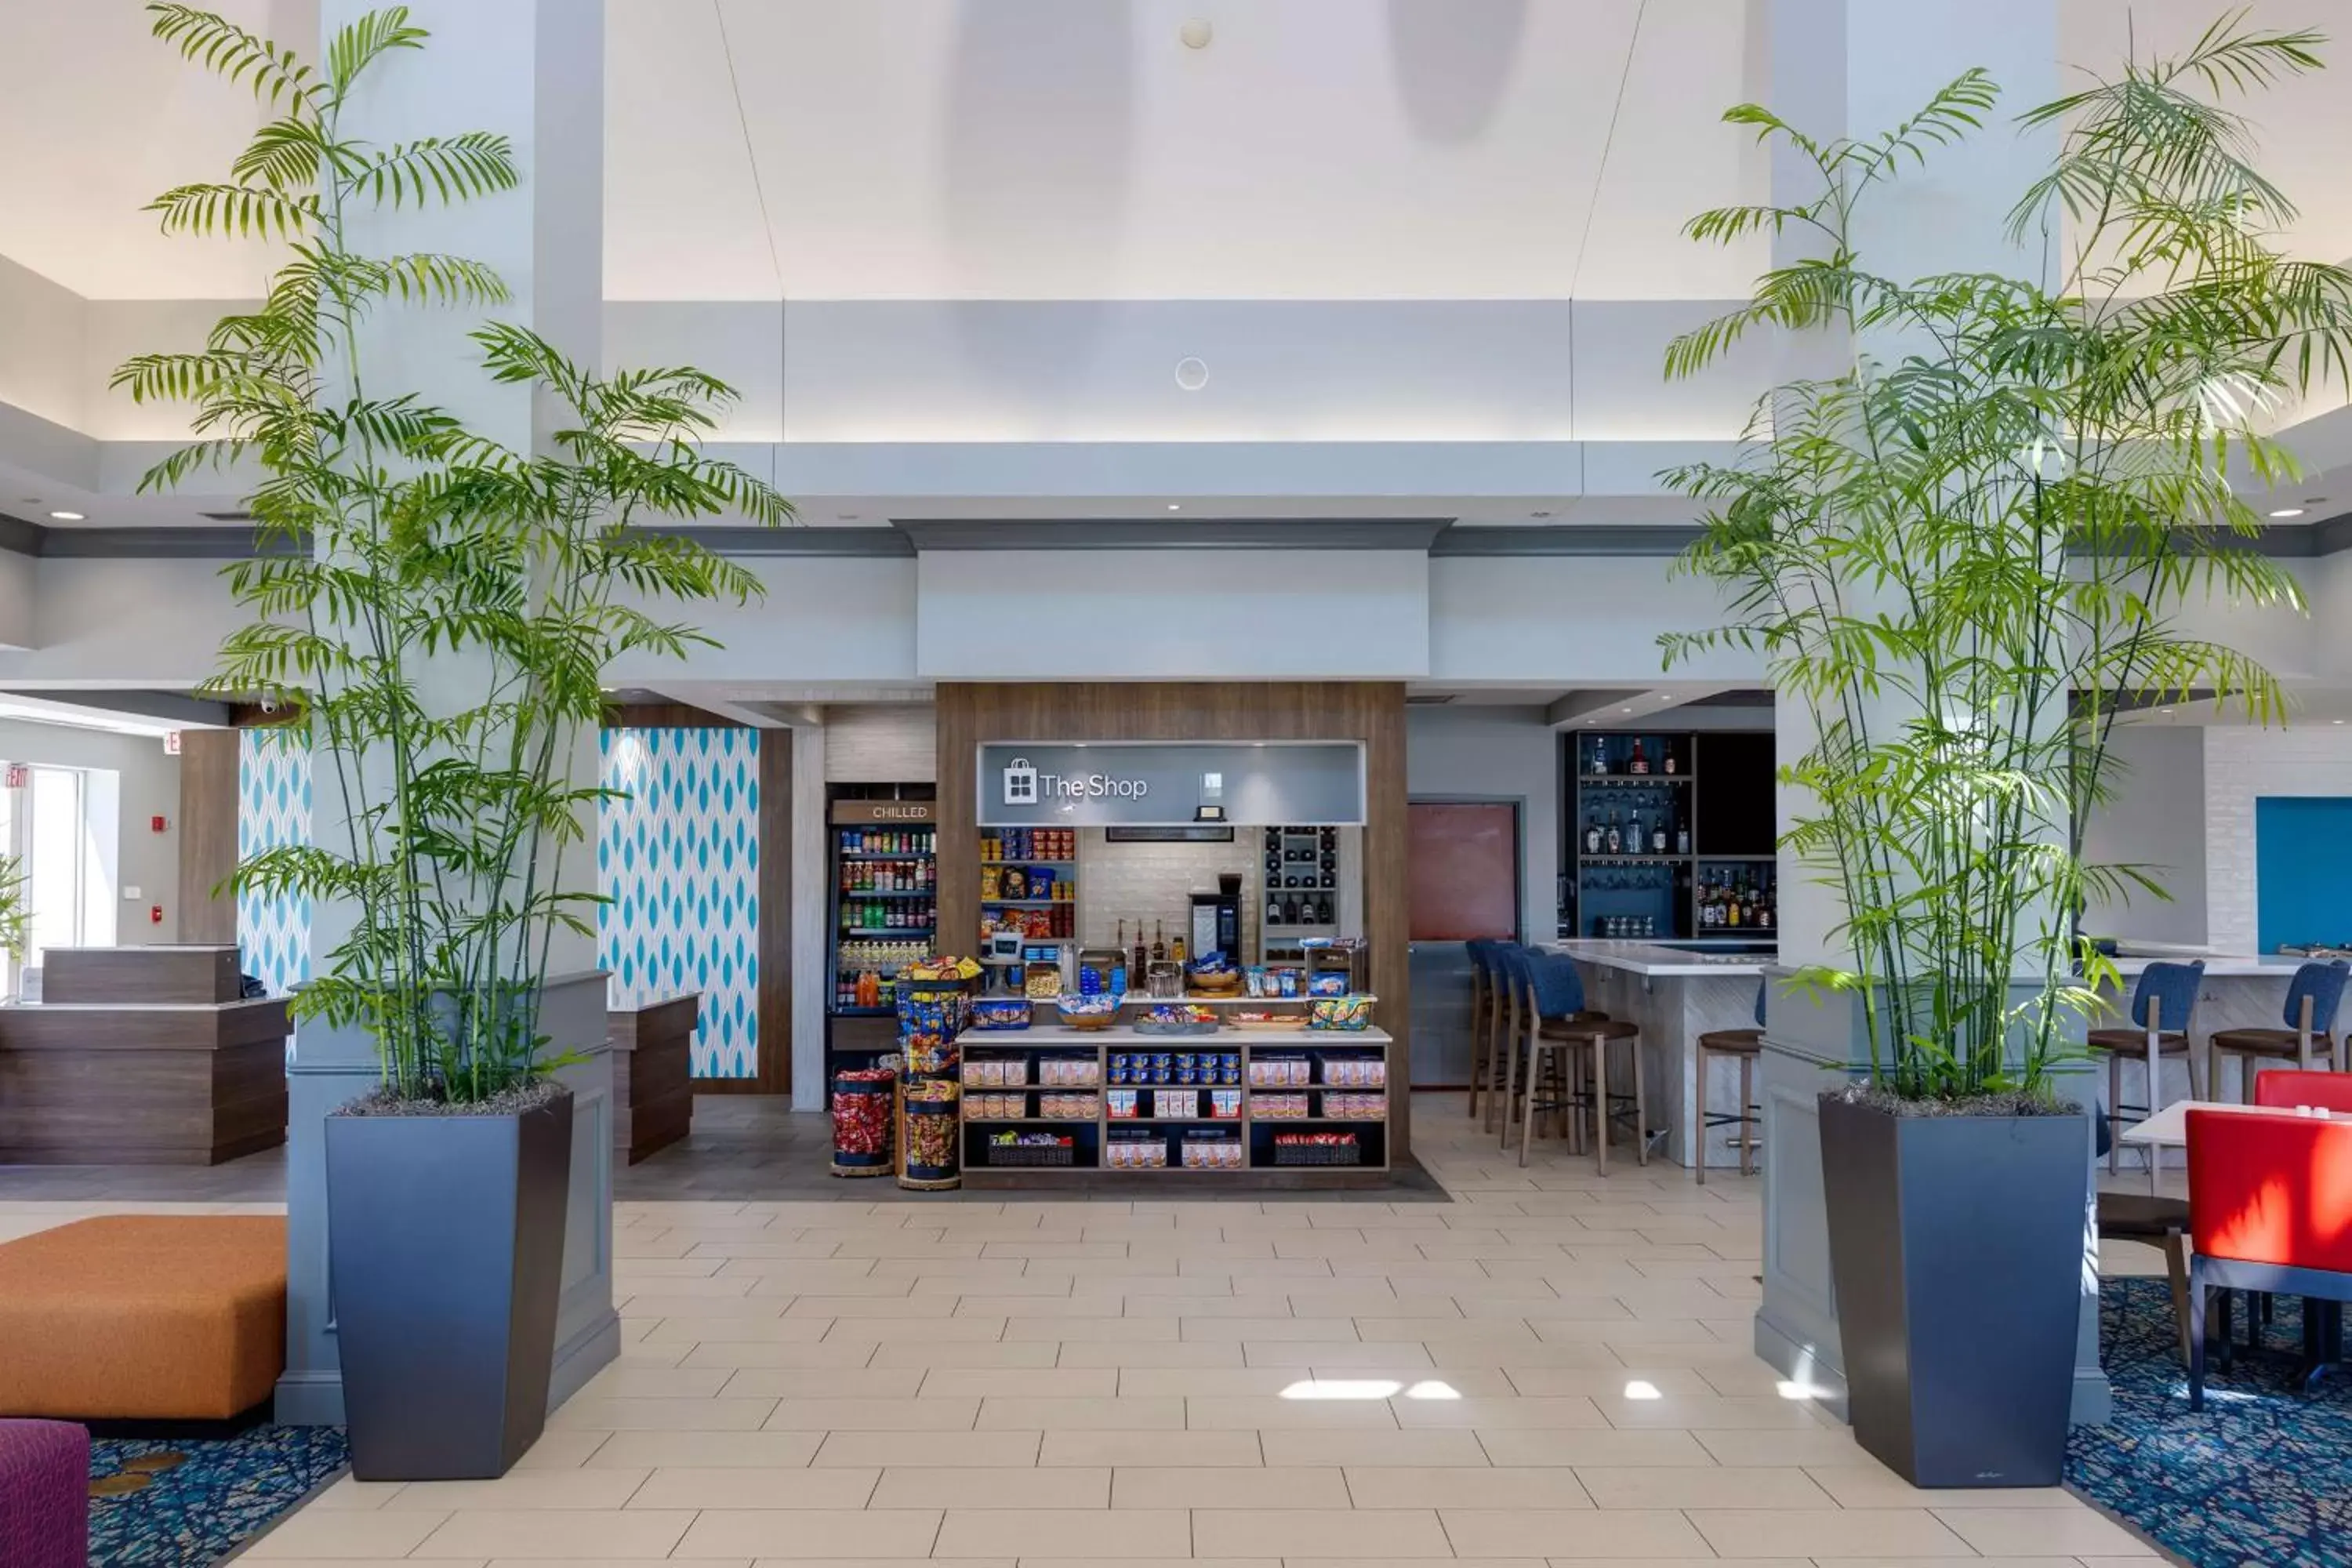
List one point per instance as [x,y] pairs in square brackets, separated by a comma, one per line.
[1482,1007]
[2164,1006]
[1502,1026]
[1562,1036]
[2310,1013]
[1743,1046]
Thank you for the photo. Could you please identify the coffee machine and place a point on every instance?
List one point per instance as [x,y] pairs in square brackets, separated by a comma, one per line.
[1217,920]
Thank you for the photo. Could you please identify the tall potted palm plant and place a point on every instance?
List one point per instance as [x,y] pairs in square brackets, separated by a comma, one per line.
[441,609]
[1964,558]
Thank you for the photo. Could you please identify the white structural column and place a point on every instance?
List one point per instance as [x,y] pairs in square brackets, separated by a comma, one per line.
[532,70]
[1855,67]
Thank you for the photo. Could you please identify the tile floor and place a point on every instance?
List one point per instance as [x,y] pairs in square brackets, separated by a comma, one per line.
[1551,1368]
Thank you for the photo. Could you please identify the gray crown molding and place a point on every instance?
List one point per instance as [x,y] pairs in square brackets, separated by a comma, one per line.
[1566,539]
[1415,534]
[749,539]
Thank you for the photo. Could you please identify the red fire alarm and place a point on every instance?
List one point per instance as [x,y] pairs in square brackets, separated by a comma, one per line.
[157,823]
[155,914]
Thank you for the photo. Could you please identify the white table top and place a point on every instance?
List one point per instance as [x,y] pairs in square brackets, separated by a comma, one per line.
[1655,959]
[2168,1127]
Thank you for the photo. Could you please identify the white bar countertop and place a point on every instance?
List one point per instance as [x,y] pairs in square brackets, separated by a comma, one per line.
[2132,957]
[1651,958]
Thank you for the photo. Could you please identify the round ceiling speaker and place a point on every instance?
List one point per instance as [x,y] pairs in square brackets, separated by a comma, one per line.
[1196,33]
[1191,373]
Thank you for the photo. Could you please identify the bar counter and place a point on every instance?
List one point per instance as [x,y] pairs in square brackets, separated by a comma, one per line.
[1675,993]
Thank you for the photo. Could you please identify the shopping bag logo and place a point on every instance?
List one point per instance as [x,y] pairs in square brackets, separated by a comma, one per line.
[1019,783]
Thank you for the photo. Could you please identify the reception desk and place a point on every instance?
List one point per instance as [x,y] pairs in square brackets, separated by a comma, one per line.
[141,1055]
[653,1072]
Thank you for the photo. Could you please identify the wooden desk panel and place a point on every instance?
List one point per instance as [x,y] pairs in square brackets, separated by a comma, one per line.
[82,1085]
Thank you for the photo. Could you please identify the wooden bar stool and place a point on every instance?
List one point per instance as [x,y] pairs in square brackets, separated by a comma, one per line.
[1743,1046]
[1482,1032]
[1557,1042]
[2164,1008]
[2310,1015]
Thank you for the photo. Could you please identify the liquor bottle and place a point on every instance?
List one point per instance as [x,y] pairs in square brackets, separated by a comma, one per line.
[1658,834]
[1323,911]
[1290,912]
[1599,756]
[1176,948]
[1118,945]
[1669,764]
[1681,839]
[1138,962]
[1273,909]
[1731,908]
[1158,942]
[1616,835]
[1639,765]
[1592,834]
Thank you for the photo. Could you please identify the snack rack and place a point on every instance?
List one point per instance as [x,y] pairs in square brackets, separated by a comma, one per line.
[932,1015]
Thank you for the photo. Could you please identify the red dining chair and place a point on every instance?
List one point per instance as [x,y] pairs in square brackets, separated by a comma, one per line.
[2270,1203]
[2284,1090]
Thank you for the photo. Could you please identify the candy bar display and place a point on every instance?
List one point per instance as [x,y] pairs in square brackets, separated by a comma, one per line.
[1069,1072]
[1278,1107]
[1339,1012]
[1354,1107]
[1317,1149]
[1355,1072]
[1002,843]
[861,1122]
[1213,1154]
[1031,1148]
[1280,1072]
[1136,1154]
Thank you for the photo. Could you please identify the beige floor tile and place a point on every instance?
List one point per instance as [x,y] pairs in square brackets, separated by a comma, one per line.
[798,1533]
[1371,1448]
[2078,1532]
[1821,1533]
[700,1329]
[1563,1535]
[743,1486]
[1091,1330]
[673,1304]
[1824,1446]
[1215,1381]
[992,1450]
[758,1450]
[563,1450]
[1302,1533]
[907,1415]
[1871,1484]
[1465,1486]
[347,1534]
[582,1413]
[824,1383]
[923,1354]
[1614,1448]
[1017,1413]
[929,1331]
[1162,1354]
[930,1487]
[1151,1449]
[1264,1330]
[1499,1414]
[1693,1486]
[571,1488]
[1605,1383]
[1713,1413]
[1227,1306]
[1035,1382]
[994,1533]
[557,1535]
[812,1305]
[732,1355]
[1443,1331]
[1325,1354]
[1227,1486]
[1496,1353]
[1212,1414]
[357,1496]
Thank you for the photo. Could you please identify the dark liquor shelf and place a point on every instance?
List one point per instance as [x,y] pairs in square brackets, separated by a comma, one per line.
[1668,833]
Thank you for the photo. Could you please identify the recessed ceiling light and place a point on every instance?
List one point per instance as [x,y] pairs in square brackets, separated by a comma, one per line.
[2335,721]
[1624,711]
[1175,506]
[2164,709]
[66,516]
[2288,511]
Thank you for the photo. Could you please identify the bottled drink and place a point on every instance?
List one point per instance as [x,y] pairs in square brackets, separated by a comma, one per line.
[1669,764]
[1159,943]
[1176,948]
[1592,835]
[1273,910]
[1639,765]
[1616,835]
[1139,961]
[1658,835]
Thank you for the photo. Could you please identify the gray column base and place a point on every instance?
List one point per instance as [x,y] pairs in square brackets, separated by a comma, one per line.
[1808,1049]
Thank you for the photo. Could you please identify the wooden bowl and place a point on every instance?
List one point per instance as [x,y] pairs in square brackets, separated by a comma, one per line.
[1227,984]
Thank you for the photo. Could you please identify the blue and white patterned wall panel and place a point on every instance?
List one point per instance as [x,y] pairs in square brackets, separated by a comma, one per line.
[273,793]
[680,858]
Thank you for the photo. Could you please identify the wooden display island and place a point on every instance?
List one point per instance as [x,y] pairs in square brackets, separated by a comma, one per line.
[652,1074]
[1263,1108]
[141,1055]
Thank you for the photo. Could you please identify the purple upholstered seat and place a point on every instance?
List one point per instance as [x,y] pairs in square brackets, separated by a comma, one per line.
[43,1494]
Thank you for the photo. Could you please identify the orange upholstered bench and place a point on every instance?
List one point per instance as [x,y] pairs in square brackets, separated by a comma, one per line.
[137,1317]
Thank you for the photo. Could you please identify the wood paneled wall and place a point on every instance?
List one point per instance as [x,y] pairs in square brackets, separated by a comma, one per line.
[971,714]
[208,809]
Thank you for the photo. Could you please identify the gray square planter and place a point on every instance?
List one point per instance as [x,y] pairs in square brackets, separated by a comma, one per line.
[1957,1247]
[446,1253]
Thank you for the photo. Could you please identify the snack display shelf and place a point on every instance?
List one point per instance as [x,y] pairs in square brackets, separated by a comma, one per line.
[1358,1158]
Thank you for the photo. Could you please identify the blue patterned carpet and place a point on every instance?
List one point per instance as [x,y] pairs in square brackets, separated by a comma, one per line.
[2263,1477]
[223,1492]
